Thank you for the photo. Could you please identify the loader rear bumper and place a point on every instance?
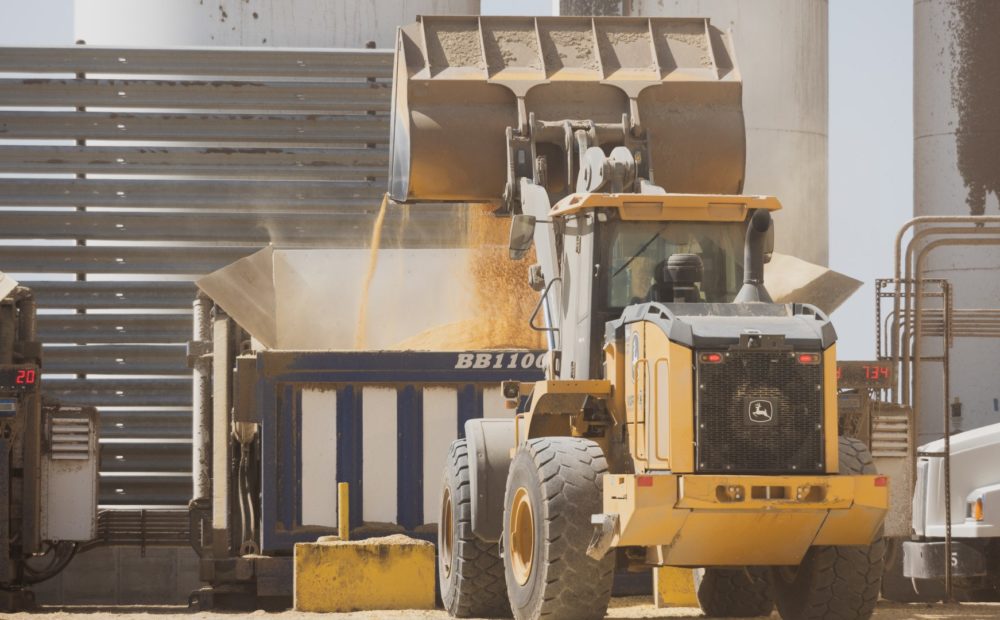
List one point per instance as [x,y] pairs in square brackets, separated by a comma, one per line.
[717,520]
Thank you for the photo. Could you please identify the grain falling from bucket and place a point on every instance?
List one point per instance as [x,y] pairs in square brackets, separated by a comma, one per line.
[502,300]
[360,336]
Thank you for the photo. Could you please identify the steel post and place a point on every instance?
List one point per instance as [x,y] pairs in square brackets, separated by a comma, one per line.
[201,418]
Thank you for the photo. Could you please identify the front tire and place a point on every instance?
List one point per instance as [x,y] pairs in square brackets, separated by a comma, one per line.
[834,582]
[554,486]
[470,571]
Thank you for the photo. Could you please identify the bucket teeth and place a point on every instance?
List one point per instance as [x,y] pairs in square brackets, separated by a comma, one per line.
[461,82]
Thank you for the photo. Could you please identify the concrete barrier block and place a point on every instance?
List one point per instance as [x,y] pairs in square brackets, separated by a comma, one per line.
[394,572]
[674,587]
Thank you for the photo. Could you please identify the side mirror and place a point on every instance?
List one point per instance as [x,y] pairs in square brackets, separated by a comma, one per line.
[522,233]
[769,243]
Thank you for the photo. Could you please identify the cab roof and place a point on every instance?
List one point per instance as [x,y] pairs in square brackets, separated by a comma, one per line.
[668,207]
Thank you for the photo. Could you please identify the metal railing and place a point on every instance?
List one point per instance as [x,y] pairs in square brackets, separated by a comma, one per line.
[902,333]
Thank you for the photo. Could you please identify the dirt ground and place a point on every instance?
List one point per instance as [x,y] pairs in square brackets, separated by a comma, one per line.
[637,608]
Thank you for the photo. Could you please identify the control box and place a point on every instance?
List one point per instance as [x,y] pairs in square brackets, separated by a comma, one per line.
[70,462]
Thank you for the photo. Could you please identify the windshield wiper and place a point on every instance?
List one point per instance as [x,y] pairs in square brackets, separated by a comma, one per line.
[641,250]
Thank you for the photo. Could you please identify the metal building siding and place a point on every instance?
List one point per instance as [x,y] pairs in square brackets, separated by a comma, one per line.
[127,173]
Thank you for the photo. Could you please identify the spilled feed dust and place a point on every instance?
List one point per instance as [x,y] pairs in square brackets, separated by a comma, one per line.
[627,608]
[360,336]
[503,301]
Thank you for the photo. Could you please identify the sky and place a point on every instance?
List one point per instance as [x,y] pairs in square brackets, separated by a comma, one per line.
[870,132]
[870,152]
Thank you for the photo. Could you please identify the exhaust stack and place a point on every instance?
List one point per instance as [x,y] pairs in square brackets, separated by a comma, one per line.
[753,260]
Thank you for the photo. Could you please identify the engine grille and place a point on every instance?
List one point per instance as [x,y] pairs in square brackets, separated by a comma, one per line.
[733,429]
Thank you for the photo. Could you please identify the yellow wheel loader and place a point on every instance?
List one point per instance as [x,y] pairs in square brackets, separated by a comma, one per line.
[685,419]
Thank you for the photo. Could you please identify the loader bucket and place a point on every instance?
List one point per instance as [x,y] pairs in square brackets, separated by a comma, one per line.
[460,82]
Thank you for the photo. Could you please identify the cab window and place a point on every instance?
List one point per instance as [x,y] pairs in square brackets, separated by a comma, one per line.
[638,251]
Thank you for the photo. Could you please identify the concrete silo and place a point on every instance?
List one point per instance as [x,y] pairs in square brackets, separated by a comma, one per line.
[781,49]
[254,23]
[957,172]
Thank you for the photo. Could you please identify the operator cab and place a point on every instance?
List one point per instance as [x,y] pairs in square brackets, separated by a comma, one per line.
[694,262]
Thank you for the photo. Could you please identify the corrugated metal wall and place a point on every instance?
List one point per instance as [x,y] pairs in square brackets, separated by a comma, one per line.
[126,173]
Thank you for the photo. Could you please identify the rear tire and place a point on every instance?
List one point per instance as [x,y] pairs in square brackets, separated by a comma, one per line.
[554,486]
[470,570]
[736,592]
[834,582]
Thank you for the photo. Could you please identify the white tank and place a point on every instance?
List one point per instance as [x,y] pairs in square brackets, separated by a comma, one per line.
[956,86]
[254,23]
[781,49]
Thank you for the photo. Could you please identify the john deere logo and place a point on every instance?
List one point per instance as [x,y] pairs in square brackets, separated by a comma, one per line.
[761,411]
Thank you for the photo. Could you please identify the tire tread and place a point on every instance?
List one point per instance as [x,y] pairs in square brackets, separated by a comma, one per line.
[570,472]
[481,589]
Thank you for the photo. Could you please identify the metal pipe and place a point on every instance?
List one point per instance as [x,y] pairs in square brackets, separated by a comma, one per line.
[918,296]
[753,252]
[550,331]
[897,264]
[935,219]
[201,417]
[912,324]
[906,281]
[918,293]
[753,259]
[946,382]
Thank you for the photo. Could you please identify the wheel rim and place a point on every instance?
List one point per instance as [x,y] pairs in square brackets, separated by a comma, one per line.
[522,536]
[447,532]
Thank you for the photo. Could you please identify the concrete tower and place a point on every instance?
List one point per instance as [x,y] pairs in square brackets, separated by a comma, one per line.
[956,86]
[254,23]
[781,48]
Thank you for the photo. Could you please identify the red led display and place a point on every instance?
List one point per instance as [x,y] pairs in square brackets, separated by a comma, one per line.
[19,378]
[25,377]
[874,374]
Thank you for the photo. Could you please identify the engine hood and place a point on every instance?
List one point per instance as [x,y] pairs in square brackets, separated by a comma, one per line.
[723,325]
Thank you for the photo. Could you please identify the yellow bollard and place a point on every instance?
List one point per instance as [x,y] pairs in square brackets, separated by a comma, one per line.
[343,511]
